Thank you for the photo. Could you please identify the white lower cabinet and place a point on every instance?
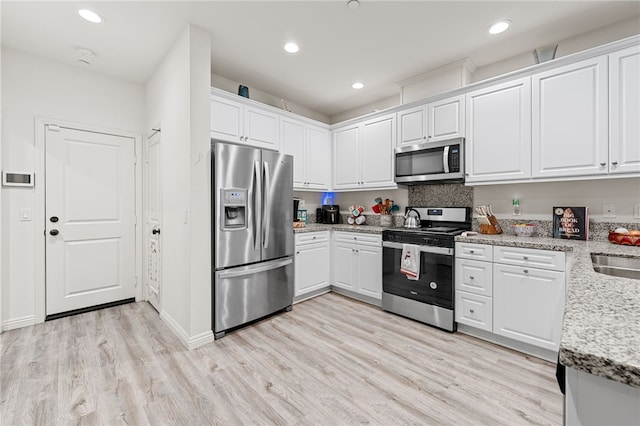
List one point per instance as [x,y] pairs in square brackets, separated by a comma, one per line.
[511,292]
[357,265]
[313,262]
[528,304]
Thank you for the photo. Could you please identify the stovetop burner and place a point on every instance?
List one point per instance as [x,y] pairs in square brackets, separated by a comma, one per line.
[435,230]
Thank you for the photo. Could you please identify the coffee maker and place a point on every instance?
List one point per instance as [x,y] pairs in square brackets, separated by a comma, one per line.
[331,213]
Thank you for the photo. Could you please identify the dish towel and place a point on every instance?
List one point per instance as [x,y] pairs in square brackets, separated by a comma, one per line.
[410,261]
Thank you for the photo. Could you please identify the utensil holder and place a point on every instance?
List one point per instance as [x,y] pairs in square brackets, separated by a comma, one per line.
[492,228]
[386,220]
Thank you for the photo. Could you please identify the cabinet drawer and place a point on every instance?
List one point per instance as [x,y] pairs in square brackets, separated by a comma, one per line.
[312,237]
[473,310]
[474,276]
[474,251]
[546,259]
[359,238]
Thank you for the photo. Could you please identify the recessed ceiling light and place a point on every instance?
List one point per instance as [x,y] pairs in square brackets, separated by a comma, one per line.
[353,4]
[357,85]
[499,27]
[90,16]
[291,47]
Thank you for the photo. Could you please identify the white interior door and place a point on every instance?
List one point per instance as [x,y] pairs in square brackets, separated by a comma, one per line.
[90,218]
[154,223]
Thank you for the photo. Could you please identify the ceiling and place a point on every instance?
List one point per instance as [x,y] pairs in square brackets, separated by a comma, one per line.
[379,43]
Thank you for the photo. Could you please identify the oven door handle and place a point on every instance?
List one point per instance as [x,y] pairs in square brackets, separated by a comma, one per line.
[447,251]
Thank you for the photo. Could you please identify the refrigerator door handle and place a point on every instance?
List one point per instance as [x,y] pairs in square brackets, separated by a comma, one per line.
[254,269]
[257,203]
[266,221]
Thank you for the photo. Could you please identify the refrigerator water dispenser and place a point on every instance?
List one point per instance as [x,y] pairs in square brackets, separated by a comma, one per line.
[234,209]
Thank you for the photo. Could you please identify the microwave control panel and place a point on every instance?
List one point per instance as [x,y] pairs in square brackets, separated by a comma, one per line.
[454,158]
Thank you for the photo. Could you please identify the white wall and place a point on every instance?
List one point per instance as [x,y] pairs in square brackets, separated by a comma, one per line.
[177,100]
[32,86]
[267,98]
[538,199]
[576,44]
[313,200]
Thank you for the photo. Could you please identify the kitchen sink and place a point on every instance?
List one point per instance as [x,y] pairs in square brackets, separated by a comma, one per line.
[616,266]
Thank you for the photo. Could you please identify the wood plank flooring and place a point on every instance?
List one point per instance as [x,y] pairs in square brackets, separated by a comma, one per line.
[330,361]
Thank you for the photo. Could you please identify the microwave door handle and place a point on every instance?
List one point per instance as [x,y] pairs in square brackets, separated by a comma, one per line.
[266,223]
[445,159]
[257,197]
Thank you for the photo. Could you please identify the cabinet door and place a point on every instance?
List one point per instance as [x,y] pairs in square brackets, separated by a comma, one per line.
[261,128]
[412,125]
[293,143]
[446,119]
[498,143]
[370,271]
[528,304]
[312,268]
[226,120]
[624,104]
[344,266]
[376,152]
[570,120]
[345,158]
[318,162]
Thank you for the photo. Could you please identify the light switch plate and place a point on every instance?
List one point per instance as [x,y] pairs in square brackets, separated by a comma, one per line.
[25,214]
[608,210]
[636,211]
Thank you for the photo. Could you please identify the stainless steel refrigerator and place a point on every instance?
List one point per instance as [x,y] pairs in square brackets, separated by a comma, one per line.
[252,234]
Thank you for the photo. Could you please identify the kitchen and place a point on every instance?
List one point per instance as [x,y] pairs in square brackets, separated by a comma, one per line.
[123,106]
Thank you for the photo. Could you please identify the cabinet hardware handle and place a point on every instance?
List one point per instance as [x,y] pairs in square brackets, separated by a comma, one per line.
[603,164]
[615,163]
[297,252]
[525,257]
[314,238]
[526,271]
[471,311]
[470,277]
[424,137]
[471,251]
[54,232]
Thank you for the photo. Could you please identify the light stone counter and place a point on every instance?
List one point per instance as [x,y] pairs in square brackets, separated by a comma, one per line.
[365,229]
[601,326]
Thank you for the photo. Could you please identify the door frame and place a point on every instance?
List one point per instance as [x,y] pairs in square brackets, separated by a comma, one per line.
[144,227]
[40,205]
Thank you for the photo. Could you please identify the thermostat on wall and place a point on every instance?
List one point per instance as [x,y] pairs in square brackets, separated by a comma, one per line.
[17,179]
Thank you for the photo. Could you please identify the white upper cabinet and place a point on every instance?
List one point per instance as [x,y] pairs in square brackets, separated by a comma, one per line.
[363,154]
[624,104]
[498,128]
[310,147]
[570,120]
[440,120]
[233,121]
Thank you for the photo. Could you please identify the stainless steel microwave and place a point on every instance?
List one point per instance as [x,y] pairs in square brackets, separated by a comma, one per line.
[432,162]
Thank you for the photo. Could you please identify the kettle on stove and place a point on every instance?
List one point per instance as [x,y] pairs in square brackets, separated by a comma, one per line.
[411,221]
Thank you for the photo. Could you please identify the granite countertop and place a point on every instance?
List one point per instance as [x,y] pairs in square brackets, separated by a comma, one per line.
[365,229]
[601,326]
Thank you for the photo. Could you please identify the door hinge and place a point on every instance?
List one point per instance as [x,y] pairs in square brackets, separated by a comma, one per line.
[53,127]
[135,159]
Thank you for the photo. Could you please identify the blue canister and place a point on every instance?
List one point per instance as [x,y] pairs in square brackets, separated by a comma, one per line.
[243,91]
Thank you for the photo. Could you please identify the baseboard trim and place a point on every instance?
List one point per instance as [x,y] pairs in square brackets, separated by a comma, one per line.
[311,294]
[352,294]
[190,342]
[545,354]
[14,323]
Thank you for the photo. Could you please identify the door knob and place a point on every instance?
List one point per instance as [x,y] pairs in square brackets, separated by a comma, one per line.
[53,219]
[155,231]
[54,232]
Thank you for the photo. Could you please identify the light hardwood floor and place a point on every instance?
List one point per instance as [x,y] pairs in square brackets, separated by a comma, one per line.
[330,361]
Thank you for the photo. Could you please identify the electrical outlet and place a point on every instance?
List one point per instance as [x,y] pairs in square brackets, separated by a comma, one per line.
[608,210]
[636,211]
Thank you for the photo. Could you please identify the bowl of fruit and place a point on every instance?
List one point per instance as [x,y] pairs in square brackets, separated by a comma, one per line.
[524,229]
[624,236]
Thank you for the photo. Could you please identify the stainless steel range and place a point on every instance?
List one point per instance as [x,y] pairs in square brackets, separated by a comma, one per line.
[418,266]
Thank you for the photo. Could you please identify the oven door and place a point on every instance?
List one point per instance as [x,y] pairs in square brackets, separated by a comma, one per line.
[435,284]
